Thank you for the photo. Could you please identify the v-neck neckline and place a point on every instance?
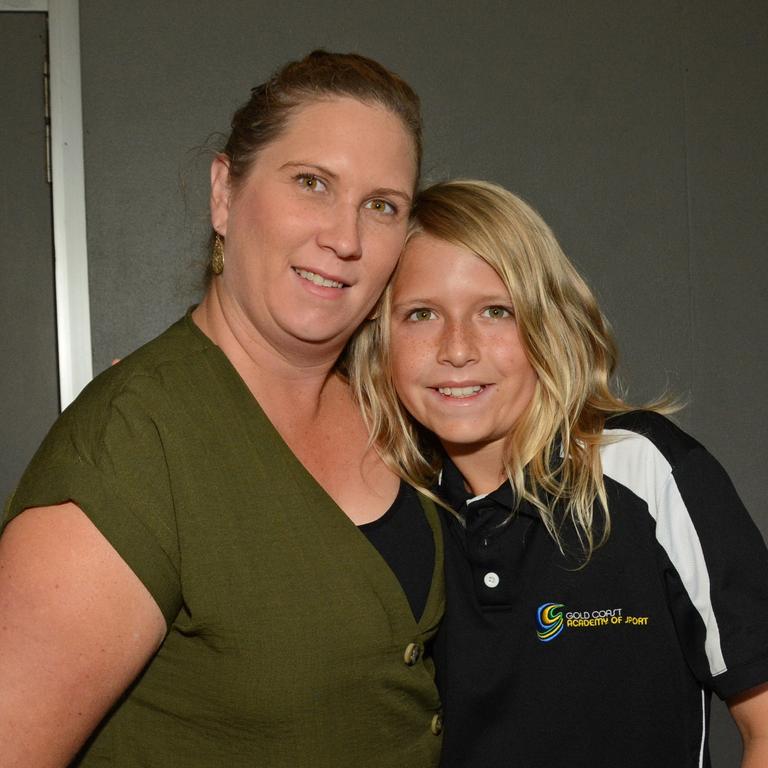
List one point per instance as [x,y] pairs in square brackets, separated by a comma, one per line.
[336,525]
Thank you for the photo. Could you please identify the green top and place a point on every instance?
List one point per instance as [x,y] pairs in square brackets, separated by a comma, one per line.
[286,628]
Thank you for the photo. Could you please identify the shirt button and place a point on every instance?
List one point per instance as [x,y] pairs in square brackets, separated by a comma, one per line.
[491,579]
[412,654]
[436,726]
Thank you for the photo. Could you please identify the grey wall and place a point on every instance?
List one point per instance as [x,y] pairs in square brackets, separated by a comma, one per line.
[29,398]
[638,130]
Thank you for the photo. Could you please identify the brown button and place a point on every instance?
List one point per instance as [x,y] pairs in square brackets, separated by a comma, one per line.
[412,654]
[437,724]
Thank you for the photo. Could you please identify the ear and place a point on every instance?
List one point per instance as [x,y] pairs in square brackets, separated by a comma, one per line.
[220,193]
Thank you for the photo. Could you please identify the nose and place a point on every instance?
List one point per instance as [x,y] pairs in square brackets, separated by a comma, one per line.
[341,232]
[458,345]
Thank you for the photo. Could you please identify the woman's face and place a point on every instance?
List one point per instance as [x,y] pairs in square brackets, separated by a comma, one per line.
[458,363]
[314,230]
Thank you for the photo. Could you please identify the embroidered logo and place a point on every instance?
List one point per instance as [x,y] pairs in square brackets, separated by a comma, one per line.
[550,620]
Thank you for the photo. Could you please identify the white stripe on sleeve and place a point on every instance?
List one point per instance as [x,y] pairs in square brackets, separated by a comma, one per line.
[635,462]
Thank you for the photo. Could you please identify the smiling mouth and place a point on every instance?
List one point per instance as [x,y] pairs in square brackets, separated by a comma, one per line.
[318,279]
[460,392]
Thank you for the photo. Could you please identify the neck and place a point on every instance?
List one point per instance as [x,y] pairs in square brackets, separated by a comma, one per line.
[482,467]
[299,373]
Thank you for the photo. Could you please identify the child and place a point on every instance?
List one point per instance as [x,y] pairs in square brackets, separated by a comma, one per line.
[603,577]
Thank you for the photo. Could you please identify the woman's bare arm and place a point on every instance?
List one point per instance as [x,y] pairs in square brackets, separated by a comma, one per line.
[76,627]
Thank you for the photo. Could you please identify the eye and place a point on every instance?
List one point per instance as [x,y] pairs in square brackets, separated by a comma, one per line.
[421,314]
[497,313]
[311,182]
[381,206]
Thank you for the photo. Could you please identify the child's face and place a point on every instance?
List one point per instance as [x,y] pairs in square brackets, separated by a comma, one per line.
[459,365]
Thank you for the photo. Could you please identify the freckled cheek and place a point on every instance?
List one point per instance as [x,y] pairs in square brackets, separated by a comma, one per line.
[413,352]
[399,361]
[523,377]
[409,365]
[513,360]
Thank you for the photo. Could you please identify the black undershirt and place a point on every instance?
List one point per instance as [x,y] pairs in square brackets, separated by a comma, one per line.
[403,538]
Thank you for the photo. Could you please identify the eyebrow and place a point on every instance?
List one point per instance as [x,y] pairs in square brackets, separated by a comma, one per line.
[379,192]
[490,301]
[409,301]
[314,166]
[388,192]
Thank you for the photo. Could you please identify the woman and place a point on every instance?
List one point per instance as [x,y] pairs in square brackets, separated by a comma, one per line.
[602,576]
[183,578]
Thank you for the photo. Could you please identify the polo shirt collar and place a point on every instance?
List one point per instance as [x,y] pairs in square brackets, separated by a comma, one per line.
[452,489]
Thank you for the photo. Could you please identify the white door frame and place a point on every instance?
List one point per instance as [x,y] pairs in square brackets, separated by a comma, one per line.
[73,316]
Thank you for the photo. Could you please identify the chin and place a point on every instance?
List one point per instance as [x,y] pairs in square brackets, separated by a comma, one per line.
[463,437]
[318,335]
[319,329]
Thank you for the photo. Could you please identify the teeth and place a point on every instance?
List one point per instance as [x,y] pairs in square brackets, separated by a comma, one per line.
[459,391]
[318,279]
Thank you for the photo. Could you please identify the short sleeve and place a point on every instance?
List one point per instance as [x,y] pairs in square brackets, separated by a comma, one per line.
[729,565]
[106,454]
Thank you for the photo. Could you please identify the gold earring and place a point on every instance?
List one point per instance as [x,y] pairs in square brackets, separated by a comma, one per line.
[217,257]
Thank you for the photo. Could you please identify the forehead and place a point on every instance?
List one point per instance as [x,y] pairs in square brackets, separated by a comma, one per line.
[349,129]
[430,266]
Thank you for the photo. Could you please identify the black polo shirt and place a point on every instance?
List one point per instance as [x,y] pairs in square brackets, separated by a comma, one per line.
[542,662]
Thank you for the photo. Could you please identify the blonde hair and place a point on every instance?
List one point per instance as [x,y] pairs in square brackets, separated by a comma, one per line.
[552,455]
